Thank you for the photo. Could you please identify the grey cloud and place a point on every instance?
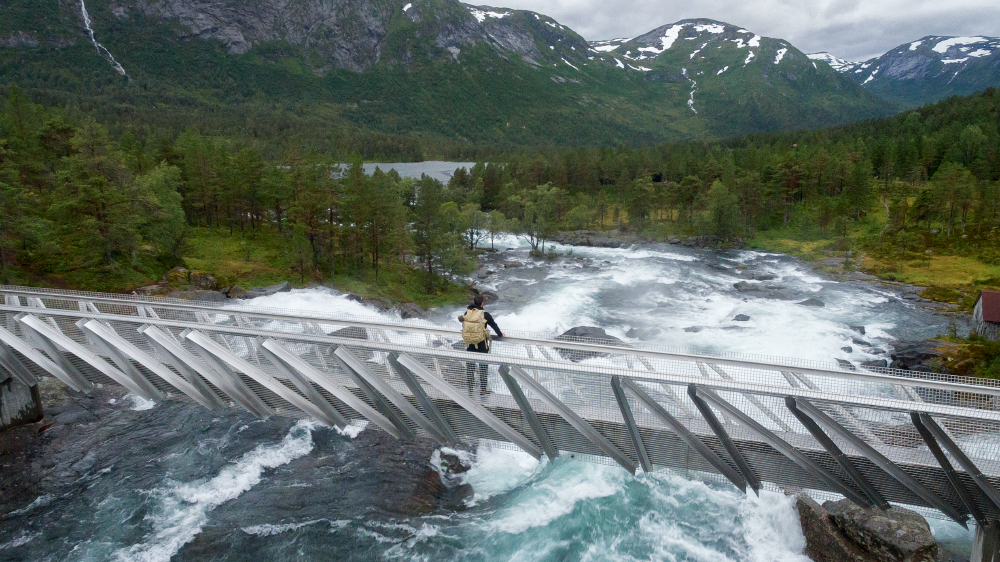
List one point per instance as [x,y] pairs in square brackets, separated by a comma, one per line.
[850,29]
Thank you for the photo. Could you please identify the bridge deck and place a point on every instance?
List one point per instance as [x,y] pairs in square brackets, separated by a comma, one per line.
[877,435]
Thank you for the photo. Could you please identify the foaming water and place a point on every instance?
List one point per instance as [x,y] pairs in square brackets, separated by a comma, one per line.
[180,483]
[574,510]
[183,507]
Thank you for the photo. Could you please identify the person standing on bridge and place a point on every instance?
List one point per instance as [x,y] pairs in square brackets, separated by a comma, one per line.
[474,332]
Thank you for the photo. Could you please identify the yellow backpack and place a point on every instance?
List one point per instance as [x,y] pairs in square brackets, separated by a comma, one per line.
[474,326]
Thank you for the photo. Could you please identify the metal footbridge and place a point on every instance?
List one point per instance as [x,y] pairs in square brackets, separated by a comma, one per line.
[874,436]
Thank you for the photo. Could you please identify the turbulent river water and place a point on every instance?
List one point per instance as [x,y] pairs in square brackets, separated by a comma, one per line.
[173,481]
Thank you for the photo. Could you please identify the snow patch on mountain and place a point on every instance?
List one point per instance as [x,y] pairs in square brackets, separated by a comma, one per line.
[667,41]
[481,15]
[915,44]
[943,46]
[838,64]
[710,28]
[781,54]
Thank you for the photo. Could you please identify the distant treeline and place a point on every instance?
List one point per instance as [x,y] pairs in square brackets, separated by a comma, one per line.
[103,211]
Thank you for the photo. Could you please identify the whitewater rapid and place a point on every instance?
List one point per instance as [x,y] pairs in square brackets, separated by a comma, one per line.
[172,481]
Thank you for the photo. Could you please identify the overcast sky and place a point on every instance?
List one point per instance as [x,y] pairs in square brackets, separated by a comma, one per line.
[850,29]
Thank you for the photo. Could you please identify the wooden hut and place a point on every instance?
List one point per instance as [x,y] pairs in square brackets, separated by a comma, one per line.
[986,315]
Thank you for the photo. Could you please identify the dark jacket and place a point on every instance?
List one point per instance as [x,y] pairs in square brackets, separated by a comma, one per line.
[489,319]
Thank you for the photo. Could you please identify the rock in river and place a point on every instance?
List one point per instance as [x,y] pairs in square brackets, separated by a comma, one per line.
[839,531]
[586,334]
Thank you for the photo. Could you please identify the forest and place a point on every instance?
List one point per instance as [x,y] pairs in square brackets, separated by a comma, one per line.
[86,208]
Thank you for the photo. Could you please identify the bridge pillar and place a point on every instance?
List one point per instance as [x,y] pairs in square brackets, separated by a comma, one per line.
[19,403]
[986,544]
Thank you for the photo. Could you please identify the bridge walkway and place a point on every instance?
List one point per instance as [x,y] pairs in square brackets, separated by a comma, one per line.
[875,436]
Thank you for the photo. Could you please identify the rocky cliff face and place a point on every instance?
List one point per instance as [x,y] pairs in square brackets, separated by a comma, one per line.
[349,33]
[357,34]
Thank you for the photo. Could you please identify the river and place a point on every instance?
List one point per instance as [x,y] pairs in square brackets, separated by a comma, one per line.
[172,481]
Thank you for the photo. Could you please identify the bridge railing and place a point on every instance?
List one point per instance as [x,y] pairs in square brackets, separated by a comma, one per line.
[917,439]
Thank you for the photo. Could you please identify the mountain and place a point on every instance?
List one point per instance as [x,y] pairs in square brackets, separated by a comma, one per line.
[927,70]
[737,77]
[437,69]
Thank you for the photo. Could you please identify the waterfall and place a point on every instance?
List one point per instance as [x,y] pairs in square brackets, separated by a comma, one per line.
[101,50]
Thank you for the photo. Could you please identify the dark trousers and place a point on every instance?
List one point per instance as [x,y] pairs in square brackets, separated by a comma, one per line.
[470,369]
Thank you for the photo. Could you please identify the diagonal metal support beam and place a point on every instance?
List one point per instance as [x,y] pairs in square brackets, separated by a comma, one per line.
[381,404]
[425,402]
[14,366]
[633,429]
[55,364]
[578,423]
[470,406]
[529,413]
[689,439]
[949,471]
[845,463]
[882,462]
[783,447]
[213,371]
[383,388]
[192,378]
[269,382]
[327,383]
[124,365]
[333,417]
[112,341]
[141,388]
[963,460]
[727,442]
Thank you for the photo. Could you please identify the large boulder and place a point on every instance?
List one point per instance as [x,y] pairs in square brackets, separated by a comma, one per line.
[707,241]
[410,310]
[825,542]
[813,302]
[255,292]
[176,277]
[915,355]
[896,535]
[587,238]
[203,280]
[644,334]
[489,297]
[353,332]
[586,334]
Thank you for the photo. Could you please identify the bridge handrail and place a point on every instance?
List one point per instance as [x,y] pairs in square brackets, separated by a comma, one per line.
[567,366]
[938,381]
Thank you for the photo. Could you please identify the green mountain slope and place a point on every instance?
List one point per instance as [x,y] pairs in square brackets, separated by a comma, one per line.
[439,73]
